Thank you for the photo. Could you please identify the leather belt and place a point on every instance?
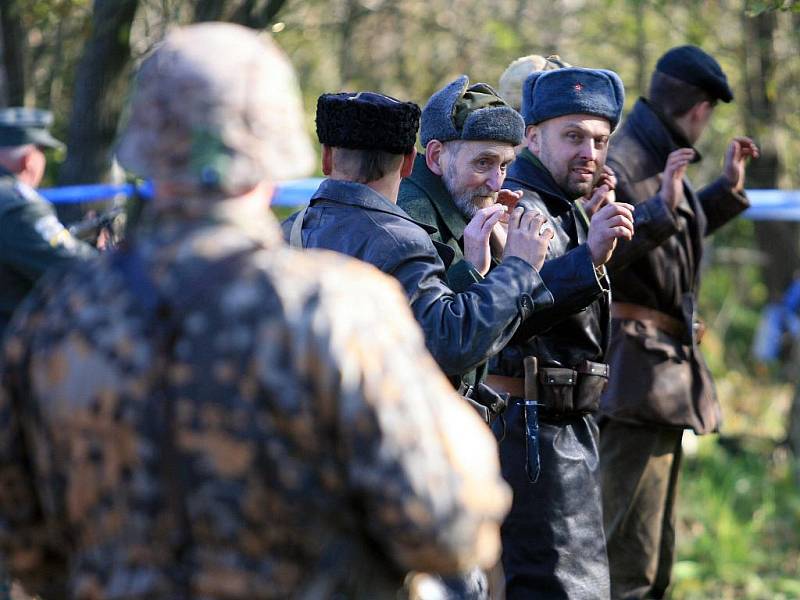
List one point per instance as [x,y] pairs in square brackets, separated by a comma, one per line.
[515,386]
[670,325]
[558,391]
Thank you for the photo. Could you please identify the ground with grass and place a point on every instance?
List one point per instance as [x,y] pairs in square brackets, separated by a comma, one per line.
[739,502]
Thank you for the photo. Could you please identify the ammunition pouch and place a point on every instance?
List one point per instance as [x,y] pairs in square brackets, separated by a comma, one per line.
[560,392]
[564,392]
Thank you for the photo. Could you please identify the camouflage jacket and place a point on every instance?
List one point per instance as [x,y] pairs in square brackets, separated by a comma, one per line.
[32,240]
[307,412]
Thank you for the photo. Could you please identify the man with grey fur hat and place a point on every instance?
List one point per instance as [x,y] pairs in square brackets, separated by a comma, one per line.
[660,384]
[368,147]
[553,542]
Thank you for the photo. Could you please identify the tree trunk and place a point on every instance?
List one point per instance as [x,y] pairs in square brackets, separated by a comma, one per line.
[14,55]
[776,239]
[101,85]
[779,240]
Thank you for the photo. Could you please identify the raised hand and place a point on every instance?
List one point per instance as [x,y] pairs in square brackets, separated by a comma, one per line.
[603,192]
[610,223]
[528,236]
[476,236]
[672,177]
[739,150]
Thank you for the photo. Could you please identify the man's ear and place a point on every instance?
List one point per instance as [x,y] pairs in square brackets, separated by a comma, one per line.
[408,164]
[433,157]
[533,139]
[700,112]
[327,160]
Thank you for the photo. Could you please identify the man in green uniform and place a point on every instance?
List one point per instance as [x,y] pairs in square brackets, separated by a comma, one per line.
[31,237]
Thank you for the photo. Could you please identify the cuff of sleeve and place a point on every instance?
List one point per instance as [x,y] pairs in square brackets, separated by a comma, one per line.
[538,298]
[655,216]
[462,275]
[721,187]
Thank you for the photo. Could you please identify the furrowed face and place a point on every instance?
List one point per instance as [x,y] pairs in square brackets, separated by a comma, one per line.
[573,148]
[474,171]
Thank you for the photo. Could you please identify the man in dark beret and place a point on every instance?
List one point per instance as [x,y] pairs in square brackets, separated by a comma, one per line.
[553,542]
[659,382]
[32,239]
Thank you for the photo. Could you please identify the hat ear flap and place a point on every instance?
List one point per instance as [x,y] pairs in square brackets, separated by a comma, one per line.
[527,95]
[618,88]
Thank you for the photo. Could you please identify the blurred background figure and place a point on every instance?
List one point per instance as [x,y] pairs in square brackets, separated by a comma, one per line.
[510,84]
[32,239]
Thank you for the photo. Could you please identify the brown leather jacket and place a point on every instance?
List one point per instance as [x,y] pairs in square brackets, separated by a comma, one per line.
[658,377]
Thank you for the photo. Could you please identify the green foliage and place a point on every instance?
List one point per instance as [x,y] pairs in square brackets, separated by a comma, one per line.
[739,523]
[754,8]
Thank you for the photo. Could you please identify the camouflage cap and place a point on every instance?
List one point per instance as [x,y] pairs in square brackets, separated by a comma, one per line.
[20,126]
[510,85]
[218,107]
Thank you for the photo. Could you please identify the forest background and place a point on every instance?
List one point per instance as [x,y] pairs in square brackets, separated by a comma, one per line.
[739,530]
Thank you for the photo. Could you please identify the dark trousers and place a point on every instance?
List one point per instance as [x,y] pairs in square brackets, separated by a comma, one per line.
[553,543]
[639,469]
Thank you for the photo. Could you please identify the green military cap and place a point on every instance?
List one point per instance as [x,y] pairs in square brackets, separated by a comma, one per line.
[20,126]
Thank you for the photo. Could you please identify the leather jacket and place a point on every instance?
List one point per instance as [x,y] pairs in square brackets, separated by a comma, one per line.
[462,330]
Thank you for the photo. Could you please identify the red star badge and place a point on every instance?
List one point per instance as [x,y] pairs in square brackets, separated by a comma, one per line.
[578,87]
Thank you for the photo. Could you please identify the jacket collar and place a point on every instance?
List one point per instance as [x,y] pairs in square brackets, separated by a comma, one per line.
[362,196]
[658,131]
[434,187]
[530,172]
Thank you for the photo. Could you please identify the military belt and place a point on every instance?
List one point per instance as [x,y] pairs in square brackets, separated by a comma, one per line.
[560,392]
[661,321]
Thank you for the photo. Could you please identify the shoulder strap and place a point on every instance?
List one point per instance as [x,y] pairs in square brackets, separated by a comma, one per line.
[296,234]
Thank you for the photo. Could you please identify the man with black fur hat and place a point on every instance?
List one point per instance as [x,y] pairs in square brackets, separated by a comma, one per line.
[367,148]
[553,542]
[32,239]
[659,383]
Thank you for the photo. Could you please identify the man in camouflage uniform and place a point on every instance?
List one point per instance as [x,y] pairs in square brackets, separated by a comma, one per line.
[32,239]
[227,417]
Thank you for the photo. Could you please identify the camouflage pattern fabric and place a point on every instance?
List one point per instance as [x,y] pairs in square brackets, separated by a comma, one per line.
[304,400]
[216,106]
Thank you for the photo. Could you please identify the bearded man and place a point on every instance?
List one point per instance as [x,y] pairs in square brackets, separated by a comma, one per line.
[367,148]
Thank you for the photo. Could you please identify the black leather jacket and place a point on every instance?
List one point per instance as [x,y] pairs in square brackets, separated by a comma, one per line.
[462,330]
[574,329]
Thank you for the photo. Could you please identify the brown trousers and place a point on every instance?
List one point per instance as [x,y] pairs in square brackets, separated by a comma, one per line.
[639,471]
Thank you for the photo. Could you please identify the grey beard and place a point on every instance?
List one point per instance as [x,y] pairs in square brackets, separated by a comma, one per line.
[465,205]
[463,201]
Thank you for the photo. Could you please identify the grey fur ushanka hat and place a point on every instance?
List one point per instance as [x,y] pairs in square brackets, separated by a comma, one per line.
[463,112]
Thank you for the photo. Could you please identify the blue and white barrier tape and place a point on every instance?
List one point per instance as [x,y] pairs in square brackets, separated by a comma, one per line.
[767,205]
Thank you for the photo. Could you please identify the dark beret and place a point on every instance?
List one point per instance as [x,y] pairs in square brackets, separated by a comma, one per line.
[570,91]
[460,111]
[692,65]
[20,126]
[367,121]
